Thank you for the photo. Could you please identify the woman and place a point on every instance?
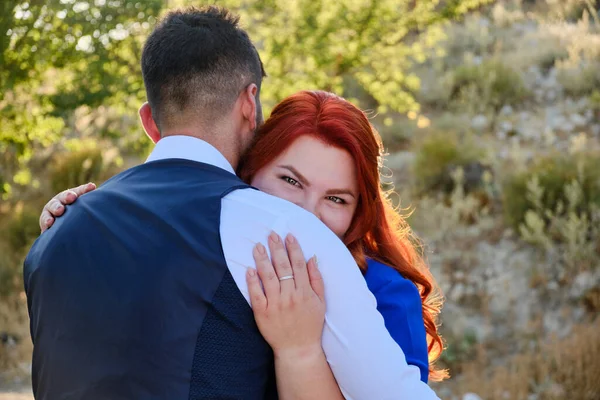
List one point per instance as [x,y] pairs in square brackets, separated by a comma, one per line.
[320,152]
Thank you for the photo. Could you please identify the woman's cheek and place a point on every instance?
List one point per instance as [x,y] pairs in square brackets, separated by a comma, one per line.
[339,222]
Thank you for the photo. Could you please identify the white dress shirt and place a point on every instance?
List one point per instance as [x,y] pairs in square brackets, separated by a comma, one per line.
[366,362]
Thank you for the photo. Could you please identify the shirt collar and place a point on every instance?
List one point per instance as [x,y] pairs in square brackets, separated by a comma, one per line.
[189,148]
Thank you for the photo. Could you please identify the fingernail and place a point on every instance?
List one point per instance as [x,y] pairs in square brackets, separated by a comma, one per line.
[290,238]
[48,221]
[316,260]
[251,272]
[261,249]
[274,237]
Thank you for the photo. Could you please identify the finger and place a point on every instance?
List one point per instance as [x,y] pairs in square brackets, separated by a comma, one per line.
[83,189]
[46,220]
[281,262]
[266,272]
[55,207]
[298,263]
[66,197]
[51,209]
[316,280]
[257,296]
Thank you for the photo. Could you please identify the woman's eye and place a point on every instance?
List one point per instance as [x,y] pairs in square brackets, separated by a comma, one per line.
[291,181]
[336,199]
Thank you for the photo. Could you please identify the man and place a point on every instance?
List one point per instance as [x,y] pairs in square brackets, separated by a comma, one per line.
[139,292]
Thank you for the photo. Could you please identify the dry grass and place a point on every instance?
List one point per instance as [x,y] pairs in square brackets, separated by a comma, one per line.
[554,369]
[15,344]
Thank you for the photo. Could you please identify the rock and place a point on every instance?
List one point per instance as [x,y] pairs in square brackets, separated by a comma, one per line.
[578,120]
[471,396]
[506,110]
[551,95]
[567,127]
[583,282]
[506,126]
[539,95]
[480,122]
[457,292]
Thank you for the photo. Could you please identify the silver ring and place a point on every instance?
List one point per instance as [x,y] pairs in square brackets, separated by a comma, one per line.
[283,278]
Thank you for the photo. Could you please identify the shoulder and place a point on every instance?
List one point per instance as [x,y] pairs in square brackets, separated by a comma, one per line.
[248,216]
[254,206]
[391,288]
[399,302]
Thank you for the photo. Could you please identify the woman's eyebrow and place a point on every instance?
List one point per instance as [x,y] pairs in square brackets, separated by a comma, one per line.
[340,191]
[293,170]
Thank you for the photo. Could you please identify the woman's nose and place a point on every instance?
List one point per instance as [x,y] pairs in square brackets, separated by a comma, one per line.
[310,206]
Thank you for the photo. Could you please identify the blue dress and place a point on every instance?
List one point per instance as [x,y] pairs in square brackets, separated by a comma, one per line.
[399,302]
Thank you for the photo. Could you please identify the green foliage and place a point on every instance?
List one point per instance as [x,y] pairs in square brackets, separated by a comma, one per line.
[80,166]
[487,86]
[438,155]
[557,182]
[21,229]
[459,350]
[59,55]
[570,10]
[580,81]
[317,43]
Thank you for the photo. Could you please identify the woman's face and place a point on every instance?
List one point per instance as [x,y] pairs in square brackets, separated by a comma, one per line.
[317,177]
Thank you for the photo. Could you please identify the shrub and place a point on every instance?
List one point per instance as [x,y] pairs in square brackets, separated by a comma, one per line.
[555,204]
[21,229]
[580,81]
[87,164]
[552,175]
[439,155]
[487,86]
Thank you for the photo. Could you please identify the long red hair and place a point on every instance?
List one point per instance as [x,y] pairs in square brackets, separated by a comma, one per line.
[377,231]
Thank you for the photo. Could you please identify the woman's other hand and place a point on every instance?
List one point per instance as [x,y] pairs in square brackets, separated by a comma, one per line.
[290,311]
[56,206]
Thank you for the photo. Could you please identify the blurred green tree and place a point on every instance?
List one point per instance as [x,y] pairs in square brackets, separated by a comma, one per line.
[57,56]
[69,69]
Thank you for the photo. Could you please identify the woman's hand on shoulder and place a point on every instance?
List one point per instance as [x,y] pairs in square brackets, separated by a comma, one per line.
[290,311]
[56,206]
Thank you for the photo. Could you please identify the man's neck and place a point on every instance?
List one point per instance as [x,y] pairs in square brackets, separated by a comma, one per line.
[228,148]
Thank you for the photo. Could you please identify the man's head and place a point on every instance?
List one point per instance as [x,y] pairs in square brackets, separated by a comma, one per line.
[202,76]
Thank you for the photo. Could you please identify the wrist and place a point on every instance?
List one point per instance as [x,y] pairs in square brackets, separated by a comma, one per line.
[301,353]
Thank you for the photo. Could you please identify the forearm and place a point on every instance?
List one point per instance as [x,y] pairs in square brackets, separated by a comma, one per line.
[366,362]
[305,376]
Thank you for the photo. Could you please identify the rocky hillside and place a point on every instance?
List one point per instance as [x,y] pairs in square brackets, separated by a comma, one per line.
[502,170]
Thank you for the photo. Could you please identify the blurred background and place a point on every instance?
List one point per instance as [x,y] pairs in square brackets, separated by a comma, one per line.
[489,111]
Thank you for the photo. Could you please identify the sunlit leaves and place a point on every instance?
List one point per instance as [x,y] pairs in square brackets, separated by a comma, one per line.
[70,68]
[57,55]
[316,44]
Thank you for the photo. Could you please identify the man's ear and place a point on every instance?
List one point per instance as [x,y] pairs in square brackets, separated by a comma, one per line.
[249,106]
[148,122]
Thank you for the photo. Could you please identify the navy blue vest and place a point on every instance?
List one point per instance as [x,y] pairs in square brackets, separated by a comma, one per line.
[130,296]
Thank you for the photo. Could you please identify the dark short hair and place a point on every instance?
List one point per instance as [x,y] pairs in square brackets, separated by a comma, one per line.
[198,58]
